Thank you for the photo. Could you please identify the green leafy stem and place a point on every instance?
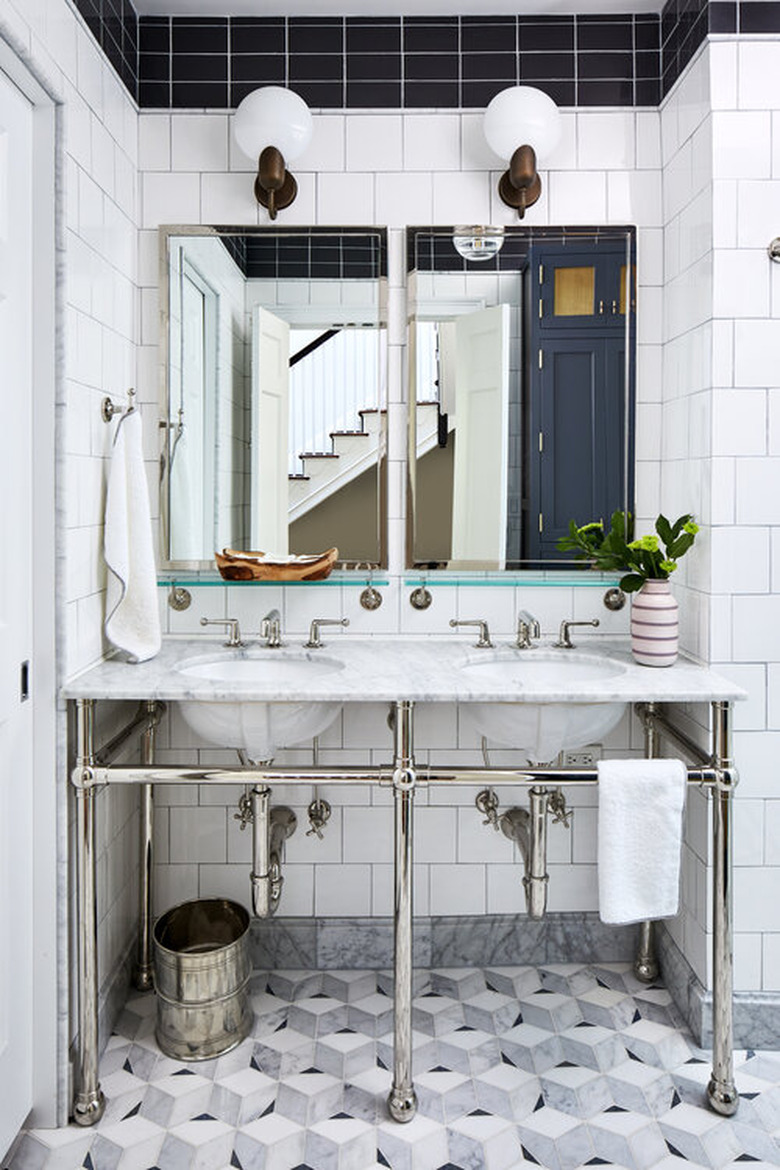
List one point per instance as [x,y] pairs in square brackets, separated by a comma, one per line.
[648,558]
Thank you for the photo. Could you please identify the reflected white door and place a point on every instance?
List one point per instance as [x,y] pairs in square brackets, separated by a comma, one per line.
[270,430]
[16,798]
[479,500]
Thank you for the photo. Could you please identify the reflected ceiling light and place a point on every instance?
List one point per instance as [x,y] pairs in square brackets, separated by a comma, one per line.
[521,124]
[478,243]
[274,126]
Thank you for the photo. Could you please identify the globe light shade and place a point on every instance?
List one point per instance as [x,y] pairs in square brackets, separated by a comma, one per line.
[273,116]
[522,116]
[273,126]
[521,124]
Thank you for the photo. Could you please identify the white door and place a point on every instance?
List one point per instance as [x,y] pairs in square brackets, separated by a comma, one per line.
[270,432]
[479,496]
[16,798]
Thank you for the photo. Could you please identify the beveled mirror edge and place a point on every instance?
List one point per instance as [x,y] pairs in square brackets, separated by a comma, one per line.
[169,569]
[537,570]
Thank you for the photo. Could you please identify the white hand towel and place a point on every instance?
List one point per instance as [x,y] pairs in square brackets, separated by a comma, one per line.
[132,613]
[641,806]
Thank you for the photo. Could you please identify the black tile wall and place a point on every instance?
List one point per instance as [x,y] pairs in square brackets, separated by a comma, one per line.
[399,62]
[413,62]
[114,25]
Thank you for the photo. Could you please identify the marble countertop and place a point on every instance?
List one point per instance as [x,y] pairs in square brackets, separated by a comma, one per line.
[428,670]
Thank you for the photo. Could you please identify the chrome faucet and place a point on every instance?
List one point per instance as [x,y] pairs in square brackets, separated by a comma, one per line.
[271,628]
[527,628]
[230,624]
[315,642]
[484,635]
[564,639]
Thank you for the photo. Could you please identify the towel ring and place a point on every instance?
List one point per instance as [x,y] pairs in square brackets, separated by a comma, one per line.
[108,408]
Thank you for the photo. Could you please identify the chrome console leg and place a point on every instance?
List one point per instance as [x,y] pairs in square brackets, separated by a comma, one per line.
[721,1090]
[89,1102]
[402,1101]
[646,960]
[143,972]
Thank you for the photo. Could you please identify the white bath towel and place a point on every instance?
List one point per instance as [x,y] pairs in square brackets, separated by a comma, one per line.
[132,613]
[641,806]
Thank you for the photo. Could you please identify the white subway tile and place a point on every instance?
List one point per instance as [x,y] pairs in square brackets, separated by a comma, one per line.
[739,422]
[345,198]
[431,142]
[648,140]
[436,835]
[466,201]
[741,144]
[368,835]
[759,66]
[325,152]
[173,884]
[755,752]
[505,893]
[756,905]
[198,833]
[374,142]
[756,345]
[740,283]
[154,142]
[342,891]
[228,198]
[169,198]
[577,197]
[723,75]
[457,889]
[404,198]
[758,500]
[199,142]
[606,140]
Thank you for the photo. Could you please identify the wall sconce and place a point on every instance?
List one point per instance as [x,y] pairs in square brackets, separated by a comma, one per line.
[521,124]
[274,126]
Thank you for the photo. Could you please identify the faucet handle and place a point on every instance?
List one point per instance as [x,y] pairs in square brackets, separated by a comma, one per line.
[231,624]
[315,642]
[564,639]
[527,628]
[484,633]
[271,629]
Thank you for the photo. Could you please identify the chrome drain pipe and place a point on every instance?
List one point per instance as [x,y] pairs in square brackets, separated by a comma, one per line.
[270,830]
[529,832]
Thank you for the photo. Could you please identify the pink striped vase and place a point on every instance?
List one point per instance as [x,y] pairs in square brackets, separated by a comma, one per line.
[654,625]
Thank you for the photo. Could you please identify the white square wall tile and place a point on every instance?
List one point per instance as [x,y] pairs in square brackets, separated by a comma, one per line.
[739,422]
[740,560]
[740,283]
[199,142]
[345,198]
[741,144]
[431,142]
[198,834]
[403,198]
[758,69]
[756,345]
[342,890]
[168,198]
[757,496]
[374,142]
[457,889]
[606,140]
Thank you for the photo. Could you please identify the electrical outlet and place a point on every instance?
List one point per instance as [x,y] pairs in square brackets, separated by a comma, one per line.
[582,758]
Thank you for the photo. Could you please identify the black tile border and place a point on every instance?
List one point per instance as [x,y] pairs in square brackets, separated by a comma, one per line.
[393,62]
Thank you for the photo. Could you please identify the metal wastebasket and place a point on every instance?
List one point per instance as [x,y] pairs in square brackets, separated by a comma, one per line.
[201,976]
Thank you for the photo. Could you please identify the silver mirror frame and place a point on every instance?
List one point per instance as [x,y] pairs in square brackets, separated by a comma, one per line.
[206,568]
[552,233]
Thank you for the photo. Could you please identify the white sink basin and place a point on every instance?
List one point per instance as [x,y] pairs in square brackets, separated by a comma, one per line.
[254,725]
[541,729]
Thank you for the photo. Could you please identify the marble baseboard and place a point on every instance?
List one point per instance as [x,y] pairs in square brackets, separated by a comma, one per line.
[756,1013]
[346,943]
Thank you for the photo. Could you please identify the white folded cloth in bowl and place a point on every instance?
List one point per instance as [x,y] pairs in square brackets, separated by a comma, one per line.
[640,821]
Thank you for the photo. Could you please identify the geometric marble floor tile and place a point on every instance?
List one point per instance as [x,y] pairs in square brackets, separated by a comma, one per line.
[560,1066]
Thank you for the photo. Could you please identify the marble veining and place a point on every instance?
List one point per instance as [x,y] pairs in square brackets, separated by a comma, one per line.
[426,670]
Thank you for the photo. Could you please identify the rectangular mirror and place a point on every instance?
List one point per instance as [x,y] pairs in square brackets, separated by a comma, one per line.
[521,377]
[274,358]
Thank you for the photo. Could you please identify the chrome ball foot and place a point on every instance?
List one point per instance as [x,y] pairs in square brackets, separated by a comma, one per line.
[723,1098]
[646,969]
[402,1104]
[89,1108]
[143,979]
